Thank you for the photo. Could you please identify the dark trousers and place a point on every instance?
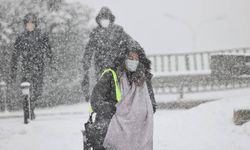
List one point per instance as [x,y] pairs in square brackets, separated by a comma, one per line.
[36,82]
[26,108]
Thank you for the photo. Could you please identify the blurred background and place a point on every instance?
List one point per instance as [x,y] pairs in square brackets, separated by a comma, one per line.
[200,53]
[167,26]
[162,27]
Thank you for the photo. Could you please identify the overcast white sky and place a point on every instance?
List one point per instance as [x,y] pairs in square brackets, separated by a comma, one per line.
[168,26]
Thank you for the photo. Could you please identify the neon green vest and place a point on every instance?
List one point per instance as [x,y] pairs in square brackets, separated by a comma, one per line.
[117,87]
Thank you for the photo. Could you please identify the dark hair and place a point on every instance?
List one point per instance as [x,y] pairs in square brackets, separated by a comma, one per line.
[30,17]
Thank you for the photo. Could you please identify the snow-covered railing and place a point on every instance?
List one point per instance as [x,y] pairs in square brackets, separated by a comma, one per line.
[187,63]
[190,72]
[197,83]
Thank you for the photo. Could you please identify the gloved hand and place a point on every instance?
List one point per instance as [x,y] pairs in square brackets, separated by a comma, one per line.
[87,97]
[154,108]
[85,87]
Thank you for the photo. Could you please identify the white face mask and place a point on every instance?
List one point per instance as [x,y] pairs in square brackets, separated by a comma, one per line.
[105,23]
[131,64]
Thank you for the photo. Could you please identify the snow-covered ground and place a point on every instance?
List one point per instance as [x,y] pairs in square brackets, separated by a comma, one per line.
[212,95]
[206,127]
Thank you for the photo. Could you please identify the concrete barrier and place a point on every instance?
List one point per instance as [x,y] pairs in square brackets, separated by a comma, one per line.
[241,116]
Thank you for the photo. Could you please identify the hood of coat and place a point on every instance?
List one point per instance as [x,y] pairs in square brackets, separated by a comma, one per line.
[105,13]
[144,65]
[136,47]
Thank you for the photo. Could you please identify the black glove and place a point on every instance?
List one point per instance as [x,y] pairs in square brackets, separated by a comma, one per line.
[87,97]
[85,87]
[154,108]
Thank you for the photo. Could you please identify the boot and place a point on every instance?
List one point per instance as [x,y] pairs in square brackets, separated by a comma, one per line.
[33,116]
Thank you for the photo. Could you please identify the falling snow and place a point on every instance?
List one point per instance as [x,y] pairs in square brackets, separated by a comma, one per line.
[63,56]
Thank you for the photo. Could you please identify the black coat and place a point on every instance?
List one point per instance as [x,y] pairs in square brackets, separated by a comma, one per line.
[33,48]
[103,100]
[105,44]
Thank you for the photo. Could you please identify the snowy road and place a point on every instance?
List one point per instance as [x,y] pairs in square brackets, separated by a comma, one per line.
[206,127]
[45,133]
[58,128]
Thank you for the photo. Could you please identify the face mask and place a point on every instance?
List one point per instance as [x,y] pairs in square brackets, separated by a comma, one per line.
[105,23]
[131,64]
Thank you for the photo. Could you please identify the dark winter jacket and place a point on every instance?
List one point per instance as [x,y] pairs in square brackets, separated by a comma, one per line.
[105,44]
[33,48]
[103,101]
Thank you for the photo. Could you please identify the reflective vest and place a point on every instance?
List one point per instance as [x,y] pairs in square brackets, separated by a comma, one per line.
[117,87]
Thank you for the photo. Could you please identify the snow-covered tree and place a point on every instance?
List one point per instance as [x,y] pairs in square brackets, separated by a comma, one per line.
[68,27]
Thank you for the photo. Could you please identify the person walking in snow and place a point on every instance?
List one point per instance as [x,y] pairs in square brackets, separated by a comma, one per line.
[106,42]
[33,47]
[124,104]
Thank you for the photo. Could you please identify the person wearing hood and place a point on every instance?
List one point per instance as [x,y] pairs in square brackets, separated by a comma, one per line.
[122,102]
[106,42]
[33,47]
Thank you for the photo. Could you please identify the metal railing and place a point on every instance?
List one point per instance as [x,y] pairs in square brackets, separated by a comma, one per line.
[190,72]
[187,63]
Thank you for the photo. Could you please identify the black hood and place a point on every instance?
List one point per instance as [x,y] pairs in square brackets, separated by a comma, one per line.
[136,47]
[105,13]
[133,46]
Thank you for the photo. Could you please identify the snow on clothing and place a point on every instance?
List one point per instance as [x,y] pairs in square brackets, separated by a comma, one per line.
[32,47]
[105,44]
[131,127]
[103,102]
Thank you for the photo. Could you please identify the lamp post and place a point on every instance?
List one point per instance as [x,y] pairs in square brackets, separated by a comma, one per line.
[3,89]
[25,86]
[194,29]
